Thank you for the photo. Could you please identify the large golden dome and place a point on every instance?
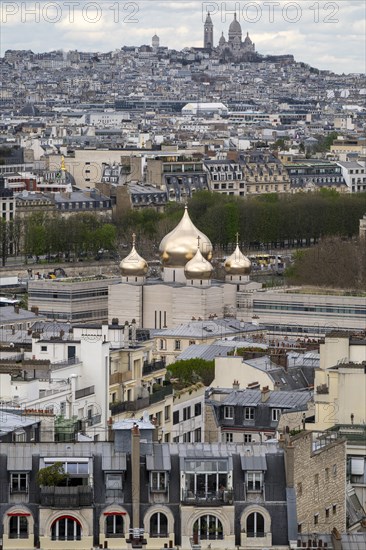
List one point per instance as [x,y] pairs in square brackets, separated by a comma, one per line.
[180,245]
[133,265]
[198,267]
[237,263]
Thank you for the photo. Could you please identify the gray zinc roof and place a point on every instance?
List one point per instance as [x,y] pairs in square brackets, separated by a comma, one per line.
[160,459]
[280,399]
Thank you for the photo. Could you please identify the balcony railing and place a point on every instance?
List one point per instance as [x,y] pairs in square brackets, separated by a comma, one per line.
[160,395]
[208,498]
[141,403]
[148,368]
[120,377]
[96,419]
[84,392]
[117,408]
[66,497]
[323,389]
[65,363]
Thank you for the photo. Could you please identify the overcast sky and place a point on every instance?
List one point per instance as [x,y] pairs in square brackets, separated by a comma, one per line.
[326,34]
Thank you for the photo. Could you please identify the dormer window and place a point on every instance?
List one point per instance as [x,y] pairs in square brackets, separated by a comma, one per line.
[254,481]
[229,412]
[158,481]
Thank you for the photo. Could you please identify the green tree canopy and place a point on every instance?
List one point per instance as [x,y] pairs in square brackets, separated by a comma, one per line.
[191,371]
[52,475]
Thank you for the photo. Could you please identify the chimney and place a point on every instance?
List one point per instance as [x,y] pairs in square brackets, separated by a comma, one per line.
[133,332]
[16,309]
[126,334]
[35,310]
[135,464]
[265,393]
[236,385]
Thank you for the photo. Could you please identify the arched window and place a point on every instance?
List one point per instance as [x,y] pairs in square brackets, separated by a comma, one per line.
[114,525]
[159,525]
[18,527]
[255,525]
[66,528]
[208,528]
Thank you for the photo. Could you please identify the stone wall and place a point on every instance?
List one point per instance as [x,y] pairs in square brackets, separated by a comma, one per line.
[319,478]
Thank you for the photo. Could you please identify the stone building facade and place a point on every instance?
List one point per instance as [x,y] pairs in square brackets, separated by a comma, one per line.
[316,469]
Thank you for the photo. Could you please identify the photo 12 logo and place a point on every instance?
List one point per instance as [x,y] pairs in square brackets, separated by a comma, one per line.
[272,11]
[69,10]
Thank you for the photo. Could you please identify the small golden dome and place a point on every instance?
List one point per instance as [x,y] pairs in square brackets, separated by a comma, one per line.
[198,267]
[180,245]
[237,263]
[133,265]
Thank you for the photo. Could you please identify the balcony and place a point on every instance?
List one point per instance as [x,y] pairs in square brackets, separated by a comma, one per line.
[160,395]
[66,497]
[117,408]
[323,389]
[148,368]
[93,420]
[120,377]
[84,392]
[209,498]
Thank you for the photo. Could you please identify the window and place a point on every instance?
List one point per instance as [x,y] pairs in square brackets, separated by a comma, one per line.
[187,437]
[276,413]
[43,348]
[299,489]
[208,527]
[192,342]
[249,413]
[316,479]
[197,435]
[66,528]
[197,409]
[158,481]
[254,481]
[18,527]
[19,436]
[326,474]
[167,412]
[186,413]
[229,412]
[114,525]
[255,525]
[162,344]
[247,438]
[176,417]
[228,437]
[159,525]
[316,519]
[327,512]
[299,527]
[334,470]
[19,483]
[113,485]
[334,509]
[177,345]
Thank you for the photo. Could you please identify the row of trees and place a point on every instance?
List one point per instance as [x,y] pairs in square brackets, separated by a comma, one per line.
[41,234]
[264,219]
[268,218]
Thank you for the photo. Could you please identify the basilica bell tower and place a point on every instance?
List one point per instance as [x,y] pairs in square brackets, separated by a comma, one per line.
[208,33]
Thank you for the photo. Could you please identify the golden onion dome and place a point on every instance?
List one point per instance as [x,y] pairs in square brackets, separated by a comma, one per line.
[198,267]
[133,265]
[237,263]
[180,245]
